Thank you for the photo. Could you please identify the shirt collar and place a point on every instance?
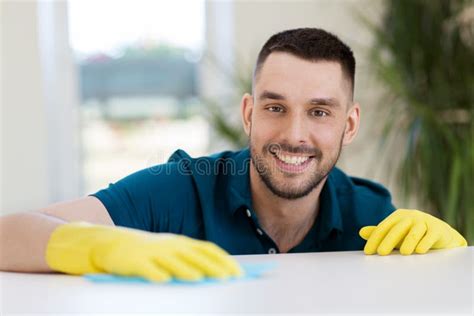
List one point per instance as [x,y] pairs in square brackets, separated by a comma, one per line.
[240,196]
[329,211]
[238,176]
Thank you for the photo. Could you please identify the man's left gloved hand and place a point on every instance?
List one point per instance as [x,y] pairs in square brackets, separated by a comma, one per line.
[410,231]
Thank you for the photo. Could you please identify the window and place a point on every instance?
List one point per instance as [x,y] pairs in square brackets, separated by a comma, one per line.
[137,63]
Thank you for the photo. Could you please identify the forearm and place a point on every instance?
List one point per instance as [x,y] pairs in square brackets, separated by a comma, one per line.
[23,240]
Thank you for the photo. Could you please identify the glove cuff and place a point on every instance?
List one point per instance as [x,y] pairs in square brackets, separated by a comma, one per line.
[69,248]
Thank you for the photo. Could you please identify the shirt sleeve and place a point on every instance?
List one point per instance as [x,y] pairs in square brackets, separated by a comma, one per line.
[374,201]
[153,199]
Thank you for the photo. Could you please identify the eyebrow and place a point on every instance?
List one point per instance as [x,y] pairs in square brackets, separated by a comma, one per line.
[324,101]
[314,101]
[271,95]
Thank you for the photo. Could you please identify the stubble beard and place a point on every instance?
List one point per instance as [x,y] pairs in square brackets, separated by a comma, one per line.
[267,170]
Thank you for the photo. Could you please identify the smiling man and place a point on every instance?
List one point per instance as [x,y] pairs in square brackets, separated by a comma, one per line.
[282,194]
[299,117]
[296,120]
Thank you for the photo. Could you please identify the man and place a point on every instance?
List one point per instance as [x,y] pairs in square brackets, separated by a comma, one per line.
[282,194]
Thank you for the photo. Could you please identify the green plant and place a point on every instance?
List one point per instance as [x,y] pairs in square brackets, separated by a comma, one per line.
[424,56]
[218,112]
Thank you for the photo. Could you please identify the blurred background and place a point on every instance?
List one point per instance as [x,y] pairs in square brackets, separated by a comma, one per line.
[92,91]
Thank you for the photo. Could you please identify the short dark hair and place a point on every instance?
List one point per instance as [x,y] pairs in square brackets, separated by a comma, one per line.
[311,44]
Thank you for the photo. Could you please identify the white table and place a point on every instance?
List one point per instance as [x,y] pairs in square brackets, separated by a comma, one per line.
[332,282]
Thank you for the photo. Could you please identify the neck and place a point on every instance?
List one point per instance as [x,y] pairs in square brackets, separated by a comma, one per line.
[281,218]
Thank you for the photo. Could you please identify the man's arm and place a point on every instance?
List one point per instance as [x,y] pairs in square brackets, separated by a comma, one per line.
[24,236]
[45,241]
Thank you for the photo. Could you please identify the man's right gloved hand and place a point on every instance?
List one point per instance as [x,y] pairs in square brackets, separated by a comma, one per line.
[80,248]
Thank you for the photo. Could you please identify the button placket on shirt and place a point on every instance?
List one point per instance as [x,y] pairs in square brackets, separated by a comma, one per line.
[249,215]
[260,232]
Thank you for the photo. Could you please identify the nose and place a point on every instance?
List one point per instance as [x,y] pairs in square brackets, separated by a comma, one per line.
[296,131]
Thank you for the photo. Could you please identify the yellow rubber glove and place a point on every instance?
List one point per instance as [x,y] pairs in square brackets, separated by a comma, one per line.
[80,248]
[410,231]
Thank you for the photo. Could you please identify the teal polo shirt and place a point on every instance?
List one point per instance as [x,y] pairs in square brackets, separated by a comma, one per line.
[209,198]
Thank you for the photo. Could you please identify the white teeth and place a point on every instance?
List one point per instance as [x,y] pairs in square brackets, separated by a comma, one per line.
[293,160]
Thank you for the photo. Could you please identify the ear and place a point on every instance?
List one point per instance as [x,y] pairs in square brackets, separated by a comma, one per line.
[352,124]
[246,107]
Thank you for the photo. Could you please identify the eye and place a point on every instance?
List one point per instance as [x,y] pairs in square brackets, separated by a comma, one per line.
[318,113]
[275,109]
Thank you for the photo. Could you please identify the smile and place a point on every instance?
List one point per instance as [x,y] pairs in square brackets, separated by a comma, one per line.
[292,160]
[292,163]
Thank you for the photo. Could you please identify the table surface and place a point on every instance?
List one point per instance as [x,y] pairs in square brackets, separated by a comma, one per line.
[331,282]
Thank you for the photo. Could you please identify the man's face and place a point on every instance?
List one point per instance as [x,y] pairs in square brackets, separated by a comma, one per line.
[299,117]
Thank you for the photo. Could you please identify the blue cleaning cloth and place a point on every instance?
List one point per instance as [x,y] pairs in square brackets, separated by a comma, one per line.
[252,271]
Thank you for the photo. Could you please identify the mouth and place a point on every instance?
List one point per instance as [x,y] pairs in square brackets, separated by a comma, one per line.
[291,163]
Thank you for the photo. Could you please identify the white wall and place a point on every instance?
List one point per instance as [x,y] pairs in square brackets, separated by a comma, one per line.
[24,178]
[37,130]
